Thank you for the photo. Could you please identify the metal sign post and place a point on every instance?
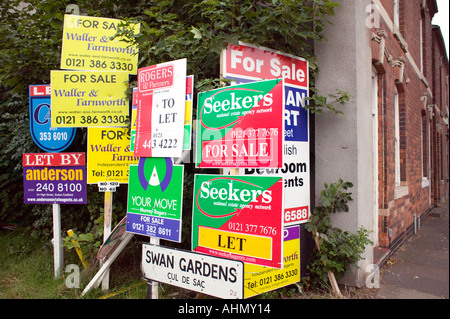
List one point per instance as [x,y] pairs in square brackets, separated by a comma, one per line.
[58,254]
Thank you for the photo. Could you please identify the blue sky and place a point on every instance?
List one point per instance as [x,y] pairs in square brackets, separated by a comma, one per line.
[442,19]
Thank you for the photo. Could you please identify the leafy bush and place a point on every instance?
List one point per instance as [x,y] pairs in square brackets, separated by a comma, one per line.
[339,250]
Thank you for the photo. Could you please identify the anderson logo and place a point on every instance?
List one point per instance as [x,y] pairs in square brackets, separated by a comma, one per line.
[154,179]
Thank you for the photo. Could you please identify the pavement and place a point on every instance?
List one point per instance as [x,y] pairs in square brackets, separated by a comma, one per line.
[419,269]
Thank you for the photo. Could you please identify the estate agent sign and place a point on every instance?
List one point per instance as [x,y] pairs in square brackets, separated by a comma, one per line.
[49,139]
[155,198]
[245,63]
[89,98]
[161,110]
[89,44]
[54,178]
[241,126]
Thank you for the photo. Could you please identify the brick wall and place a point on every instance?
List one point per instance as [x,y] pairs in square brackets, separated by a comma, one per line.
[400,69]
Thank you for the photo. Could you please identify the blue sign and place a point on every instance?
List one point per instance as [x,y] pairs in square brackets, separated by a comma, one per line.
[49,139]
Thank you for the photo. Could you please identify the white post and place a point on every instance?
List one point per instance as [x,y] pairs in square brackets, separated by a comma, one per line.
[58,254]
[107,220]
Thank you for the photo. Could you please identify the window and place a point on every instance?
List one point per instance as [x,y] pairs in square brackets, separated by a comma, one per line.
[425,146]
[397,138]
[396,14]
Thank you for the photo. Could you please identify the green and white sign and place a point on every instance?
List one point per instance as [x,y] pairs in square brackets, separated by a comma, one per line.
[155,198]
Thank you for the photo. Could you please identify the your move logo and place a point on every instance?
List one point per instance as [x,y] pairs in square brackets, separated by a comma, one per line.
[163,167]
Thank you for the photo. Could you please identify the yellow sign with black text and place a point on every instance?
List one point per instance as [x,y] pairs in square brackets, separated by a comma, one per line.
[89,43]
[259,279]
[108,155]
[89,98]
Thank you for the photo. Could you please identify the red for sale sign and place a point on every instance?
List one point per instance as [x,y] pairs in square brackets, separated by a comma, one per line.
[246,62]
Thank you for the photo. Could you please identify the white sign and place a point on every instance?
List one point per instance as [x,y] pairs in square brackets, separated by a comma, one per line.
[214,276]
[161,110]
[108,186]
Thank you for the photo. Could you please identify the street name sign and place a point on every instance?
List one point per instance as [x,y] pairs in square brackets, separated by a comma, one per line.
[214,276]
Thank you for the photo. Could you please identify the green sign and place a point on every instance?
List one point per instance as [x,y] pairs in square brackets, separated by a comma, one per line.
[241,125]
[155,198]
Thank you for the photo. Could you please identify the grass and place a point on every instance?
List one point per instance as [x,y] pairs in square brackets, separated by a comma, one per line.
[26,272]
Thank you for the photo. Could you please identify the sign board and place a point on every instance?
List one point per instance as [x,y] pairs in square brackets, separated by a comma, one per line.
[54,178]
[239,217]
[241,126]
[155,198]
[49,139]
[113,240]
[109,155]
[217,277]
[108,186]
[258,279]
[161,110]
[89,98]
[246,63]
[88,44]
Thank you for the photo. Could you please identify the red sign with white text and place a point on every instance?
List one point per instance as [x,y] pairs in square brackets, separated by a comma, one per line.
[53,159]
[246,62]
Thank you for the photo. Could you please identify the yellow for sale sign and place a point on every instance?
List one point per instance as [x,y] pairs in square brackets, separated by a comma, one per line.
[89,43]
[89,98]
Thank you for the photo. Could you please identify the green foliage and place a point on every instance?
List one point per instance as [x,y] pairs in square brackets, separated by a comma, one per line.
[317,103]
[339,250]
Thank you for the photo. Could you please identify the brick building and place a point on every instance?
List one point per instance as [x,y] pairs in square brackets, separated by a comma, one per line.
[392,141]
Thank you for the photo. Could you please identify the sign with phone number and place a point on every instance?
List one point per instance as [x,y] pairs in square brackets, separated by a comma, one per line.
[89,98]
[155,198]
[88,44]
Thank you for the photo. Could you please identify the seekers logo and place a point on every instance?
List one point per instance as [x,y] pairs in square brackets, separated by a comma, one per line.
[160,167]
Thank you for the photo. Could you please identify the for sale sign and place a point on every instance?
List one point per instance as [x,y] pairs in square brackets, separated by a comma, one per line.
[54,178]
[155,198]
[241,126]
[260,279]
[239,217]
[248,62]
[161,110]
[89,44]
[218,277]
[89,98]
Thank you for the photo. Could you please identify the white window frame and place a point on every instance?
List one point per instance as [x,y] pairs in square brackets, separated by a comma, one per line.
[397,138]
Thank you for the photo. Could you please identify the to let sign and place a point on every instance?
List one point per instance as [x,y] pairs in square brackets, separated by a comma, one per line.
[161,110]
[54,178]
